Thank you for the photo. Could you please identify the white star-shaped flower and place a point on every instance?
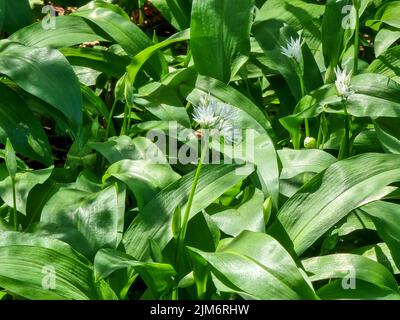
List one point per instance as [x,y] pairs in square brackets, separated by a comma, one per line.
[204,114]
[218,117]
[343,83]
[293,49]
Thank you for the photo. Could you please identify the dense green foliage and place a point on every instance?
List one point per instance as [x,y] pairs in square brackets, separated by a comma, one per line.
[312,213]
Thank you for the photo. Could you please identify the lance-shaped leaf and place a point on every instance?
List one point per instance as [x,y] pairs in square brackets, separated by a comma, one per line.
[98,216]
[157,276]
[24,183]
[123,147]
[246,216]
[14,15]
[143,178]
[46,74]
[42,268]
[116,23]
[370,90]
[386,217]
[176,12]
[273,35]
[19,124]
[154,221]
[220,36]
[69,31]
[350,266]
[295,162]
[256,266]
[335,192]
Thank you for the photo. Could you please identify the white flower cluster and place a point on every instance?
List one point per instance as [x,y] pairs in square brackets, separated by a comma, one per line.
[343,83]
[293,50]
[217,117]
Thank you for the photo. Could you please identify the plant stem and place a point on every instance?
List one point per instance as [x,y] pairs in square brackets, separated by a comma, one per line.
[319,137]
[109,120]
[201,285]
[356,38]
[182,233]
[303,93]
[14,205]
[344,151]
[124,123]
[128,125]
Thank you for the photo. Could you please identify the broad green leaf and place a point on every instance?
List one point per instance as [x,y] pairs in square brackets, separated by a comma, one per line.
[116,23]
[139,60]
[354,221]
[14,15]
[295,162]
[24,183]
[349,265]
[298,14]
[144,178]
[266,161]
[38,70]
[260,150]
[388,133]
[2,14]
[100,60]
[154,221]
[335,192]
[42,268]
[163,102]
[157,276]
[86,76]
[389,14]
[125,148]
[387,64]
[69,31]
[272,35]
[379,253]
[94,104]
[384,39]
[69,235]
[176,12]
[248,215]
[337,30]
[98,216]
[370,90]
[11,160]
[256,266]
[385,216]
[19,124]
[363,291]
[219,36]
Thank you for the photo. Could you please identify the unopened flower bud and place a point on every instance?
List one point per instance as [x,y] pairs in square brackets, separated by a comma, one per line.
[310,143]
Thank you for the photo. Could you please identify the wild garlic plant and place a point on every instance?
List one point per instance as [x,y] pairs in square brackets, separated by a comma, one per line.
[293,50]
[214,120]
[344,91]
[103,194]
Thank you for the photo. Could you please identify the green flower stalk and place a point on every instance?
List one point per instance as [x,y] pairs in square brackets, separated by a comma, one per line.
[11,164]
[294,52]
[215,120]
[356,4]
[343,88]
